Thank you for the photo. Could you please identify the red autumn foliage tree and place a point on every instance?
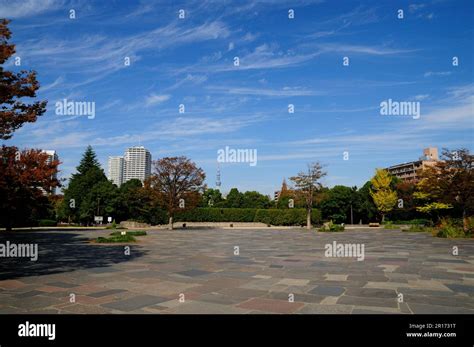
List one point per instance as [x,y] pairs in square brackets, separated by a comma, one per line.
[13,86]
[174,179]
[25,176]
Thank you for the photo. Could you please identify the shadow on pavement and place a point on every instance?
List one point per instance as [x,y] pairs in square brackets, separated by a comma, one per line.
[60,252]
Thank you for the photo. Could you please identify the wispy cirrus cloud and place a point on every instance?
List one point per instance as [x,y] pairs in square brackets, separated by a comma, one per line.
[27,8]
[285,91]
[155,99]
[97,56]
[362,49]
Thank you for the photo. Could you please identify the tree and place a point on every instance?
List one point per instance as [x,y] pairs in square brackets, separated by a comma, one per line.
[450,182]
[211,197]
[174,179]
[14,86]
[253,199]
[384,197]
[337,203]
[367,209]
[131,201]
[234,199]
[81,187]
[26,177]
[307,184]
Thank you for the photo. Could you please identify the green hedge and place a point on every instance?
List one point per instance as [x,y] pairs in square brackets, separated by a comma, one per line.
[47,223]
[205,214]
[295,216]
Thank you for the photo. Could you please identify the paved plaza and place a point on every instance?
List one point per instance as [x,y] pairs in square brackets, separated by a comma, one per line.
[238,271]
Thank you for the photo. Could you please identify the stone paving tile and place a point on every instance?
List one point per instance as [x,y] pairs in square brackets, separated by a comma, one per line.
[371,293]
[306,298]
[62,285]
[193,273]
[199,307]
[134,303]
[270,305]
[273,263]
[358,301]
[106,293]
[327,290]
[293,282]
[461,288]
[434,309]
[28,294]
[325,309]
[219,298]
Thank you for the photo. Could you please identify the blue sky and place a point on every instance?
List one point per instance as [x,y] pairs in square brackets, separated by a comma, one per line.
[283,61]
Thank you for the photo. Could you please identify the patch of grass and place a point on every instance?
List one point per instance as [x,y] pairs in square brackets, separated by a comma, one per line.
[416,228]
[331,227]
[390,226]
[116,239]
[131,232]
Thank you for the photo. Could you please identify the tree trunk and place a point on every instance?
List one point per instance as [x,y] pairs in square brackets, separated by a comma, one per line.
[308,219]
[383,218]
[170,225]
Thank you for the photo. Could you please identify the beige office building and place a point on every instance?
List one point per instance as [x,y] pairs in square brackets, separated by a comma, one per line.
[410,171]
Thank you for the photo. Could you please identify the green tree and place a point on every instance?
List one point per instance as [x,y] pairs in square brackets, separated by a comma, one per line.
[211,198]
[253,199]
[81,184]
[131,202]
[234,199]
[367,209]
[337,203]
[100,200]
[450,183]
[384,197]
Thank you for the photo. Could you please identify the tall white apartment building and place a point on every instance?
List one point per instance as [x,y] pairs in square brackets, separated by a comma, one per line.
[115,173]
[136,164]
[52,155]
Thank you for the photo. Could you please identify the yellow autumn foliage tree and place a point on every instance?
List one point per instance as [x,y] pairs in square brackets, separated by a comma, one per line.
[384,197]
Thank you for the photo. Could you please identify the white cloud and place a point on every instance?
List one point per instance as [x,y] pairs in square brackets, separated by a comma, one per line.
[439,73]
[26,8]
[361,49]
[155,99]
[286,91]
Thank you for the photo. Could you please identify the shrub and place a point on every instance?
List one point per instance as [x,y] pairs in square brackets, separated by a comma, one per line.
[470,225]
[450,228]
[331,227]
[47,223]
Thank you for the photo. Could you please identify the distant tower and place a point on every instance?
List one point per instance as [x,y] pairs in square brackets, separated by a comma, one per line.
[218,177]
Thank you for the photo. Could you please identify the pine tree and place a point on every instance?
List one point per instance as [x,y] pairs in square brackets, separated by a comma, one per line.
[88,161]
[81,187]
